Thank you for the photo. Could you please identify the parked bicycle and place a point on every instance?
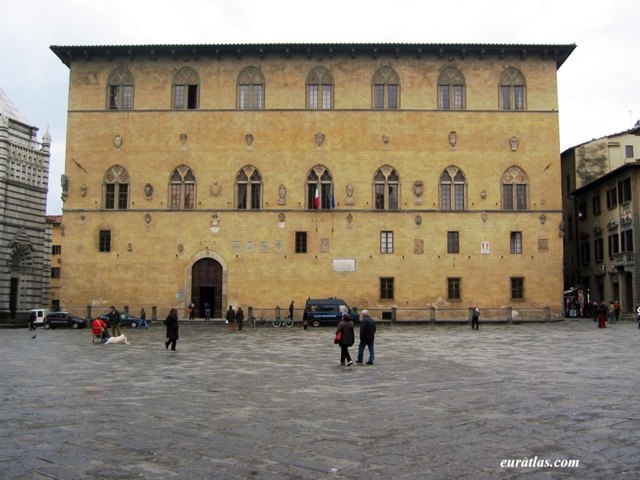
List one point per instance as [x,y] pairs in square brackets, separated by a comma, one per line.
[287,322]
[257,322]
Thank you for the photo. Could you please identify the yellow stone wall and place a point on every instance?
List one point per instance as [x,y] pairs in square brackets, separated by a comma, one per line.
[150,263]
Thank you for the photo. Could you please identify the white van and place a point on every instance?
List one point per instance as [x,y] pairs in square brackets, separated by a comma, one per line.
[40,314]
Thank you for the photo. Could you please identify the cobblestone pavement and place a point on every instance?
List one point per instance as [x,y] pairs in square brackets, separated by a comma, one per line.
[441,402]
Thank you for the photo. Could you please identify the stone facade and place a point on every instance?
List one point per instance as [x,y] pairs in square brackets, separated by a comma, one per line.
[194,169]
[601,189]
[24,247]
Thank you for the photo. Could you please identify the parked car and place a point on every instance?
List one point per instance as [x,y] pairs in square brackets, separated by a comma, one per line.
[40,313]
[63,319]
[328,311]
[125,320]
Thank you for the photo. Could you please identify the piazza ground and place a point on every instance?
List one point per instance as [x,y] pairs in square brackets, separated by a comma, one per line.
[441,402]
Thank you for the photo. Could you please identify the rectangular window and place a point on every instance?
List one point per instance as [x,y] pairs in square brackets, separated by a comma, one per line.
[582,210]
[301,242]
[521,196]
[614,245]
[507,196]
[386,242]
[393,196]
[517,288]
[392,92]
[326,97]
[123,195]
[596,205]
[176,190]
[612,198]
[505,94]
[189,196]
[459,196]
[56,249]
[104,241]
[127,97]
[114,94]
[453,242]
[243,99]
[624,191]
[628,151]
[255,196]
[242,195]
[55,272]
[518,97]
[386,288]
[454,291]
[598,250]
[445,196]
[445,103]
[256,101]
[192,97]
[626,241]
[178,96]
[110,196]
[379,192]
[458,97]
[516,242]
[378,96]
[313,96]
[585,253]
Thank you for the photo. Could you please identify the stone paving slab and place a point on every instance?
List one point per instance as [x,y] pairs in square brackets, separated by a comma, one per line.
[441,402]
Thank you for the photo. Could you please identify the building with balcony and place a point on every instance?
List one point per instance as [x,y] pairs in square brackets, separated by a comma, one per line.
[600,190]
[391,175]
[24,251]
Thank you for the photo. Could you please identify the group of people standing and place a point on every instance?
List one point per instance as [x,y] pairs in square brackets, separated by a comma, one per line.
[234,317]
[346,337]
[604,314]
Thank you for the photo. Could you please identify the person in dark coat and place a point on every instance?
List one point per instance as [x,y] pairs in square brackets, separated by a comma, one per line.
[367,337]
[115,318]
[602,316]
[475,316]
[231,318]
[172,329]
[347,339]
[239,317]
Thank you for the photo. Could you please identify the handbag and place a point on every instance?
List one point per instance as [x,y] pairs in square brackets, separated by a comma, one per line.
[338,337]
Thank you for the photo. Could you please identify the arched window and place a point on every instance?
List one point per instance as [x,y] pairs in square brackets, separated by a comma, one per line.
[115,186]
[120,90]
[452,189]
[515,189]
[320,189]
[182,189]
[451,90]
[513,90]
[249,188]
[319,89]
[186,85]
[250,89]
[385,89]
[387,189]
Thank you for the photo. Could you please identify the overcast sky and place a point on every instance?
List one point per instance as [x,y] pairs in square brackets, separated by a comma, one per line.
[598,86]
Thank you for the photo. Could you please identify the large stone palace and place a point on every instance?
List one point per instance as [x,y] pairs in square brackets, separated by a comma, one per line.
[390,175]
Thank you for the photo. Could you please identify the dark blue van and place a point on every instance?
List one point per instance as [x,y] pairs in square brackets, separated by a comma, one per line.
[328,311]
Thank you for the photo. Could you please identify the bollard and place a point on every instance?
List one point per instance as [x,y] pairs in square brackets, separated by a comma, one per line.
[277,312]
[250,315]
[394,312]
[154,313]
[126,310]
[547,314]
[89,313]
[432,314]
[509,314]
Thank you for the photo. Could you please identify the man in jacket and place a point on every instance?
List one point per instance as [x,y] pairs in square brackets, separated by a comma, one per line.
[367,336]
[115,319]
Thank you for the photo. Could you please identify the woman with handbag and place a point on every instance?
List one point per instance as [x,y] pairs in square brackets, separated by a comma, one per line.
[345,338]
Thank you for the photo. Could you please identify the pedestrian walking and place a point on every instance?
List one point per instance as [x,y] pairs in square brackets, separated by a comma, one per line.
[612,312]
[475,316]
[191,309]
[32,320]
[602,316]
[616,310]
[239,317]
[291,310]
[207,311]
[171,323]
[231,318]
[367,337]
[143,317]
[115,319]
[347,339]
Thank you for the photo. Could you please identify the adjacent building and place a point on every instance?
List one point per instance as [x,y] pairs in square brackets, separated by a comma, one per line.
[391,175]
[601,190]
[24,247]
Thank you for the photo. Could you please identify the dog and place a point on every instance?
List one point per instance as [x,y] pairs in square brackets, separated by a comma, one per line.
[119,340]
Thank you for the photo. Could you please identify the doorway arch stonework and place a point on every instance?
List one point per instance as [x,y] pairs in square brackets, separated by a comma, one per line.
[206,280]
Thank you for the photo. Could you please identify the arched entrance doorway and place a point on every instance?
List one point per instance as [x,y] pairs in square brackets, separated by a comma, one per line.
[206,286]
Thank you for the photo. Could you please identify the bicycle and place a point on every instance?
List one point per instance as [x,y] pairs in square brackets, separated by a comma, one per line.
[287,322]
[257,322]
